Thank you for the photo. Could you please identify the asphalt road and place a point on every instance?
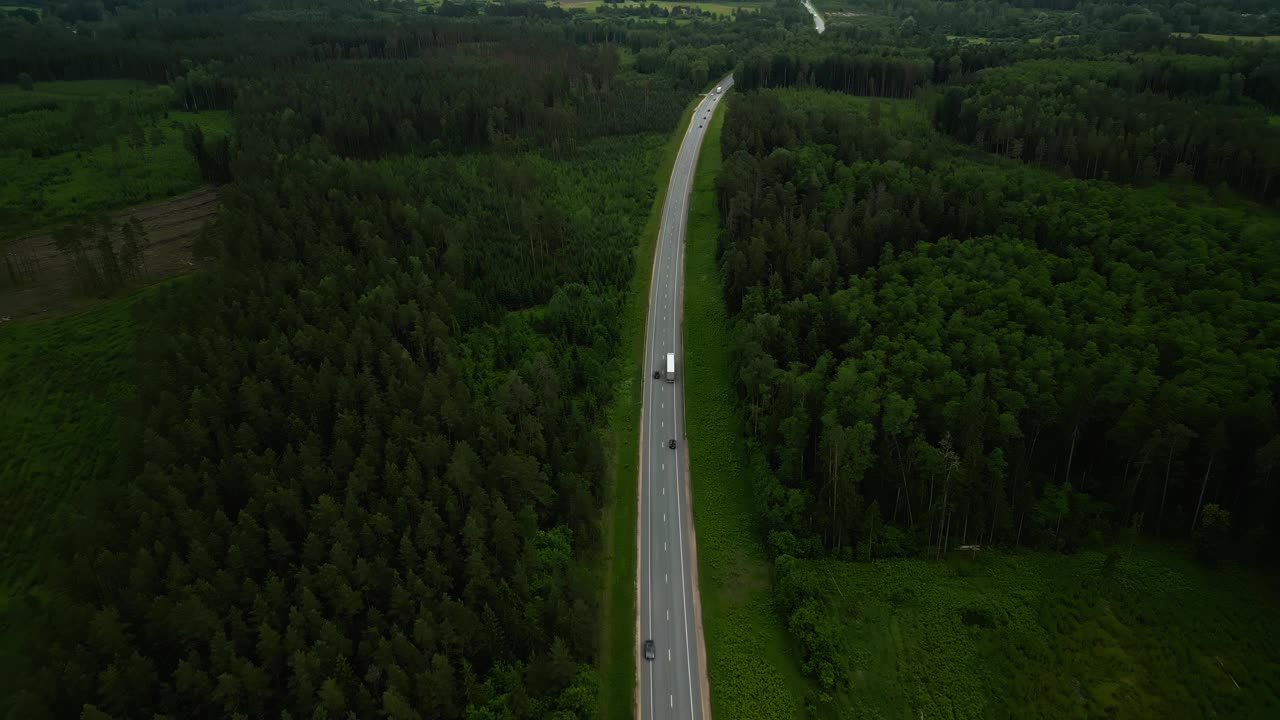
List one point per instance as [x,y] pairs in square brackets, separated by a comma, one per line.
[818,23]
[673,684]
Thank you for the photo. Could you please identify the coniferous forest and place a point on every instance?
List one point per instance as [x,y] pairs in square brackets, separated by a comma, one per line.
[362,476]
[1000,284]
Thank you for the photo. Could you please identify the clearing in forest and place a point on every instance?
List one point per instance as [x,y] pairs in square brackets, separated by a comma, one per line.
[37,280]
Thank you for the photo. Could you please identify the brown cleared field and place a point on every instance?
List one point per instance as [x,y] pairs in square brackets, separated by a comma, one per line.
[172,227]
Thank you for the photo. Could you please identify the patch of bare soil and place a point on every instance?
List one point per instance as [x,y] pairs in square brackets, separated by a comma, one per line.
[36,280]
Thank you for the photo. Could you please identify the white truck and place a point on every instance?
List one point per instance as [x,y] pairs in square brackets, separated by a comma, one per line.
[671,367]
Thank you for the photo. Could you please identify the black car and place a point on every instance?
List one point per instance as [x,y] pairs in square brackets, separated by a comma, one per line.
[657,374]
[671,443]
[649,651]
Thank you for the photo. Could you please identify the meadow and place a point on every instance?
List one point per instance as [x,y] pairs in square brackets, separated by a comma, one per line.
[751,663]
[1141,632]
[65,382]
[77,148]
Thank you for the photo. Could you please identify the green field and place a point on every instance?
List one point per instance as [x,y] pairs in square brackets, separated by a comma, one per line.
[64,382]
[618,649]
[106,170]
[1225,38]
[1149,635]
[752,666]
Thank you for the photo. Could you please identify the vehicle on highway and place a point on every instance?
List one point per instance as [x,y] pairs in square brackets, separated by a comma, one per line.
[649,651]
[717,89]
[657,374]
[671,365]
[671,443]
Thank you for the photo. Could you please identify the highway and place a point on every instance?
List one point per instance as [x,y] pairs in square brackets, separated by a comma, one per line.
[818,23]
[674,683]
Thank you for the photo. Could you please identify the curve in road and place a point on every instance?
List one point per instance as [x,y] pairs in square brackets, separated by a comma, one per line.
[673,684]
[818,23]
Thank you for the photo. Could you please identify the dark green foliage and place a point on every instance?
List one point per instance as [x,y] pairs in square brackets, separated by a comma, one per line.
[1084,117]
[1212,536]
[896,76]
[212,155]
[1032,379]
[366,477]
[414,480]
[1108,18]
[528,95]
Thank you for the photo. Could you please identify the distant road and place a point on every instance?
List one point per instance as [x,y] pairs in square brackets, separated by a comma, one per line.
[818,23]
[674,683]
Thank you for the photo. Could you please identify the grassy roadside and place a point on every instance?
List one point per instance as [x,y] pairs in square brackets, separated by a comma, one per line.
[752,667]
[617,642]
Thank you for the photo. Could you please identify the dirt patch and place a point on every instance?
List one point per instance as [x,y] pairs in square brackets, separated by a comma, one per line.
[44,281]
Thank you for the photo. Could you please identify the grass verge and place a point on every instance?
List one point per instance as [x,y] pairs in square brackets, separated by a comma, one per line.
[618,650]
[750,661]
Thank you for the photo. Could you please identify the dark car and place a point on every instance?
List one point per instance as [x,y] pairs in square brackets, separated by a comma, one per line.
[649,651]
[671,443]
[657,374]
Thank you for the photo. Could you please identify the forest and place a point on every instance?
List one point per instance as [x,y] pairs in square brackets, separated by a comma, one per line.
[360,472]
[1113,341]
[1038,18]
[999,298]
[999,284]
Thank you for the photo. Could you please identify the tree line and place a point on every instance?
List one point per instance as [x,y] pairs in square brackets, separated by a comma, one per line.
[1073,115]
[1036,18]
[896,75]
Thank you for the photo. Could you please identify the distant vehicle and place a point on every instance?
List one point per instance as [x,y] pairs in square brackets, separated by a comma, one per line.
[649,651]
[671,362]
[671,443]
[657,374]
[717,89]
